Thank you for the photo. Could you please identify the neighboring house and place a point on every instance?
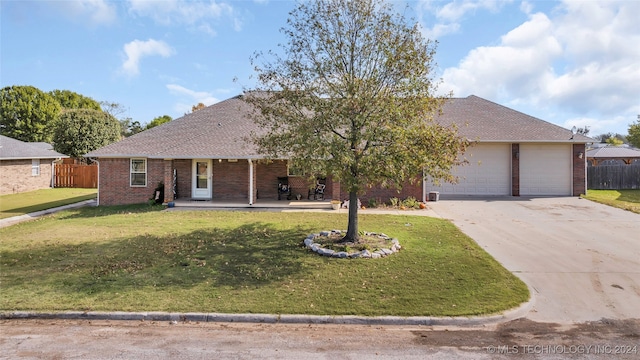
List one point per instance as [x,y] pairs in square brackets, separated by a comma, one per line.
[26,166]
[206,155]
[610,155]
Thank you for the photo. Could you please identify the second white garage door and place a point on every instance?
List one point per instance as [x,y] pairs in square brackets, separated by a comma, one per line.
[488,172]
[545,169]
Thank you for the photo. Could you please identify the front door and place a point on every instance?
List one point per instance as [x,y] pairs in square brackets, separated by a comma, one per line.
[201,188]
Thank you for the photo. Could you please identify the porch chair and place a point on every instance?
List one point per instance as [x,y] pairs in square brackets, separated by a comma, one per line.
[284,188]
[318,190]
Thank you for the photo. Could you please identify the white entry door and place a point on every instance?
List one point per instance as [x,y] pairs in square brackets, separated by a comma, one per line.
[201,183]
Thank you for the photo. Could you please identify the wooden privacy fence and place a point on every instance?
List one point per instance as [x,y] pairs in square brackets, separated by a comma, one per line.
[613,177]
[76,176]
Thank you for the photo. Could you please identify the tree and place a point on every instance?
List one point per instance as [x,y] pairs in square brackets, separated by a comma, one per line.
[27,113]
[195,108]
[129,127]
[634,133]
[71,100]
[158,121]
[611,138]
[80,131]
[583,131]
[354,89]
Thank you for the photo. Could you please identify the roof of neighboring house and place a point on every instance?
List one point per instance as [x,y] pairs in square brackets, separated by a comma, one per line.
[12,149]
[613,152]
[220,131]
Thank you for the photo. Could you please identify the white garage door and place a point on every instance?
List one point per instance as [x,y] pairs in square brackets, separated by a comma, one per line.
[488,172]
[545,169]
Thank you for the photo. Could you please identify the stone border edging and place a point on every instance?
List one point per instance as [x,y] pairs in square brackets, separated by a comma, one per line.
[310,244]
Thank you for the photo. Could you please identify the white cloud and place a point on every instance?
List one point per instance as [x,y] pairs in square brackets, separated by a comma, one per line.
[194,14]
[93,12]
[138,49]
[449,16]
[580,59]
[193,96]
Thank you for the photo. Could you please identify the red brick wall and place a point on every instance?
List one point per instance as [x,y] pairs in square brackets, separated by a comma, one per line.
[579,170]
[15,176]
[231,180]
[185,173]
[114,188]
[382,195]
[267,178]
[515,169]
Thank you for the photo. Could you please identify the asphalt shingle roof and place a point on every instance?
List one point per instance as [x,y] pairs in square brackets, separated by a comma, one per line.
[612,152]
[12,149]
[219,131]
[485,121]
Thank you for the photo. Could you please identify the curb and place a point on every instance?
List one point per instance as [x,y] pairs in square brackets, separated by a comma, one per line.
[30,216]
[273,319]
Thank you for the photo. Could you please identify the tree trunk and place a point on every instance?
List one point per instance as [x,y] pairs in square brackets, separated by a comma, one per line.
[352,229]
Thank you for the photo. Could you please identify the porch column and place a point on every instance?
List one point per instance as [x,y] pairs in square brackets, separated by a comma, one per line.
[168,180]
[250,182]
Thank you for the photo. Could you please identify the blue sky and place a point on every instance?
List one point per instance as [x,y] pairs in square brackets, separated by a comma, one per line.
[567,62]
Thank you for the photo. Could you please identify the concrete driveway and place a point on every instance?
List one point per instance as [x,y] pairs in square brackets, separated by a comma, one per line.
[581,259]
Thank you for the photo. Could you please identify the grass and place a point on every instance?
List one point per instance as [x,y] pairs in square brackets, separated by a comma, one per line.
[138,258]
[32,201]
[623,199]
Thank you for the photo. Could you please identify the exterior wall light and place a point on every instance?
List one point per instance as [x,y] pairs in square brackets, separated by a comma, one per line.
[580,155]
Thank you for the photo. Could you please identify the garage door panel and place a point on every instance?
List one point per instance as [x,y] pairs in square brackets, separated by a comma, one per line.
[545,169]
[487,173]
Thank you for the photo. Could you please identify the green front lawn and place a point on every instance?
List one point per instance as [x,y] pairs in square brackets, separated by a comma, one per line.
[623,199]
[138,258]
[32,201]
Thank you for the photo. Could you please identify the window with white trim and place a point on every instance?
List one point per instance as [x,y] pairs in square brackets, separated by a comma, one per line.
[138,171]
[35,167]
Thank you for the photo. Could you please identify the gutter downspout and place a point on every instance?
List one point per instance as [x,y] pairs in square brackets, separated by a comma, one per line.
[250,182]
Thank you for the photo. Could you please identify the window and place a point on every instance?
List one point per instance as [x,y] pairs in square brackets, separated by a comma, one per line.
[138,172]
[35,167]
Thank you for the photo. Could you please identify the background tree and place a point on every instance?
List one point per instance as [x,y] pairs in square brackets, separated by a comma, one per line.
[355,89]
[611,138]
[158,121]
[634,133]
[583,131]
[195,108]
[72,100]
[80,131]
[27,114]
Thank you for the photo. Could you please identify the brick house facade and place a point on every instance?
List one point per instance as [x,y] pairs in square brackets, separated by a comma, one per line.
[236,171]
[26,166]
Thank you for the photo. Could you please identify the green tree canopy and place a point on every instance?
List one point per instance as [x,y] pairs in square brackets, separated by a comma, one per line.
[634,133]
[158,121]
[354,88]
[80,131]
[72,100]
[27,114]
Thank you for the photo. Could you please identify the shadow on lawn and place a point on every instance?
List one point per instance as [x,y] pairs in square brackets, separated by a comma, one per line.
[99,211]
[253,255]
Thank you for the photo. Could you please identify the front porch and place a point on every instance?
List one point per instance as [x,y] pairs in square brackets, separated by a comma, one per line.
[258,204]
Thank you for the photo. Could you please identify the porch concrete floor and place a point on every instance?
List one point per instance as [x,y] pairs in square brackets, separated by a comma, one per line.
[261,204]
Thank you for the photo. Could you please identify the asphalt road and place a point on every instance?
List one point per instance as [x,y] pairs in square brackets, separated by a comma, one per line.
[519,339]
